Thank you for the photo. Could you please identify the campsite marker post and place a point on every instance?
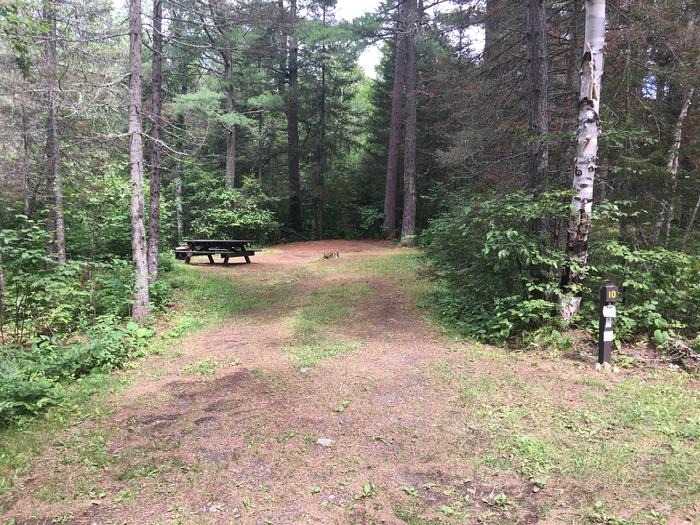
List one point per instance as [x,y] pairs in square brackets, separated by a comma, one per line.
[608,295]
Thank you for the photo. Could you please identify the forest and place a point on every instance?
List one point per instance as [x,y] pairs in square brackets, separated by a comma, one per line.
[510,158]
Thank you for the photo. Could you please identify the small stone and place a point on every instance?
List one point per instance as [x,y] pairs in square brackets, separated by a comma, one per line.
[605,367]
[324,442]
[304,370]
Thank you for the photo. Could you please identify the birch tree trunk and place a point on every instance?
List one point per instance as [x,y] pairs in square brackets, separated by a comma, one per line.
[667,206]
[293,122]
[53,175]
[156,81]
[538,122]
[589,128]
[408,226]
[138,229]
[392,168]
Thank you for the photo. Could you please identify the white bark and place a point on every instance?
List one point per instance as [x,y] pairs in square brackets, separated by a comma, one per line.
[689,228]
[588,130]
[667,206]
[138,229]
[178,205]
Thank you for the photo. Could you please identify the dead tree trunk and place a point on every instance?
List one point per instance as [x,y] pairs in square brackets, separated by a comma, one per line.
[538,122]
[587,133]
[156,82]
[53,175]
[408,226]
[667,205]
[138,230]
[293,122]
[397,96]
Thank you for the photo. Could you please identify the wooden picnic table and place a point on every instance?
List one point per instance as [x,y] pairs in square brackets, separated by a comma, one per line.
[225,248]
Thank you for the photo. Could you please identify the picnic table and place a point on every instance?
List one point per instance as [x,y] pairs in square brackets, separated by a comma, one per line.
[225,248]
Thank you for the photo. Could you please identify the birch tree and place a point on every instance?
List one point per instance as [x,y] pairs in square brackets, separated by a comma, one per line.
[138,229]
[392,168]
[667,205]
[588,130]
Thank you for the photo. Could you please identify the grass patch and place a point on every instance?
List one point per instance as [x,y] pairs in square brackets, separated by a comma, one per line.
[310,354]
[203,367]
[22,441]
[640,435]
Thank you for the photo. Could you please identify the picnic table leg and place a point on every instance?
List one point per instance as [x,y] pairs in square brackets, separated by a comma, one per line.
[225,260]
[247,259]
[188,258]
[211,259]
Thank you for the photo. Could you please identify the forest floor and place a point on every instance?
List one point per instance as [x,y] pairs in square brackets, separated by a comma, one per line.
[226,420]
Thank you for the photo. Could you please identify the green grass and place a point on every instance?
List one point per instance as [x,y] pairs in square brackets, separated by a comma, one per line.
[640,435]
[213,297]
[21,442]
[310,354]
[314,330]
[203,367]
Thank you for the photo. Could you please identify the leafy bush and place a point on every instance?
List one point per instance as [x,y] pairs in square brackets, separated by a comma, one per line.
[219,213]
[60,322]
[499,275]
[44,298]
[34,378]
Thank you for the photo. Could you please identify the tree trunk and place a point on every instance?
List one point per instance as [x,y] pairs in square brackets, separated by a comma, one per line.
[25,163]
[397,96]
[138,229]
[293,122]
[589,129]
[222,26]
[408,226]
[53,175]
[538,122]
[667,206]
[156,81]
[494,44]
[322,153]
[230,128]
[691,221]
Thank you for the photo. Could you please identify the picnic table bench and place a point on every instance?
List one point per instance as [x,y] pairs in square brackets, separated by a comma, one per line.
[225,248]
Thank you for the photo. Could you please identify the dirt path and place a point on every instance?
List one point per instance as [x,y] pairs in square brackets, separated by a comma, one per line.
[225,428]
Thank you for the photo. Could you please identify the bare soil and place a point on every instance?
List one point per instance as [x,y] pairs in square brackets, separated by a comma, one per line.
[239,445]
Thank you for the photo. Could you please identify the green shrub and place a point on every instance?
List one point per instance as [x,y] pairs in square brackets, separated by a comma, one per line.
[35,377]
[499,276]
[230,213]
[44,298]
